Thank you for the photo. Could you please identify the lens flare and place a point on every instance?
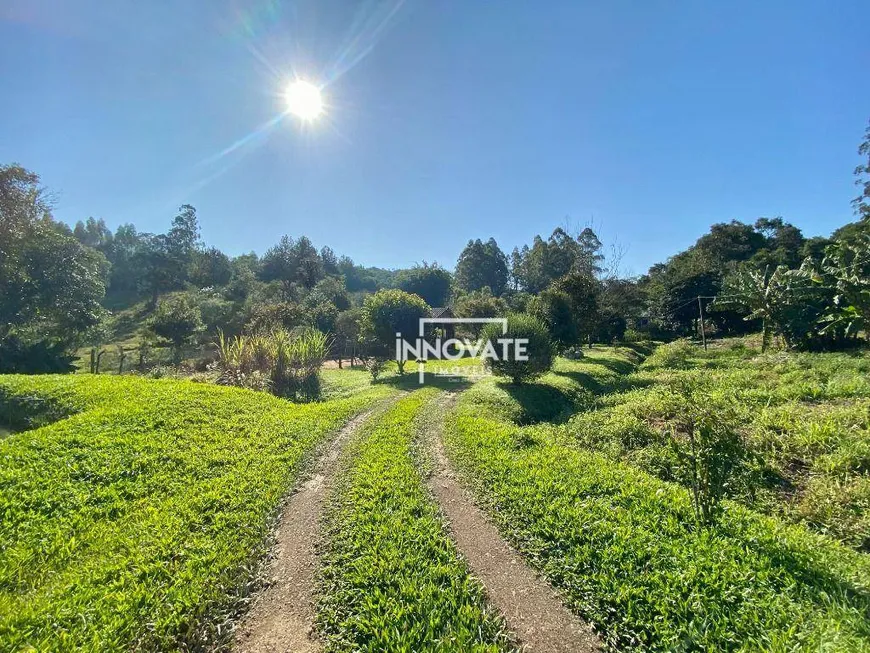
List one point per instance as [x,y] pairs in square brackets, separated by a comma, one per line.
[304,100]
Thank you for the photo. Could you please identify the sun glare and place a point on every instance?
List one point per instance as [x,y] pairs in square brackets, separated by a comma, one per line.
[304,100]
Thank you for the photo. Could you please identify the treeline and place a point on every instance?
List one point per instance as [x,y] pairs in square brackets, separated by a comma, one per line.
[62,288]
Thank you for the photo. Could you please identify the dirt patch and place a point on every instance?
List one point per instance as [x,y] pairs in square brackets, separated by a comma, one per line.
[282,616]
[532,609]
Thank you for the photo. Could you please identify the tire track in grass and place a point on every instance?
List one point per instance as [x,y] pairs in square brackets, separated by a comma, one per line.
[392,579]
[282,616]
[531,607]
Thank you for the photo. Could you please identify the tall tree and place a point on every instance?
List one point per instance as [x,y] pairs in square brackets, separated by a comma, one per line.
[292,262]
[482,265]
[584,292]
[431,282]
[862,179]
[591,260]
[50,284]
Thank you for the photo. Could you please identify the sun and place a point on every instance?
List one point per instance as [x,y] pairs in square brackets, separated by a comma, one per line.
[304,100]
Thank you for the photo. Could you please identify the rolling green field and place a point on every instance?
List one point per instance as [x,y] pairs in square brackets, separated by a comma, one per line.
[136,518]
[136,512]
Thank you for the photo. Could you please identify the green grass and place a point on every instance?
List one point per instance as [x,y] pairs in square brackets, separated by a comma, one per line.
[624,544]
[391,579]
[804,418]
[138,518]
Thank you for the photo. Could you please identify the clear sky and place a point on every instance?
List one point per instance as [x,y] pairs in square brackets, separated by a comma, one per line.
[447,120]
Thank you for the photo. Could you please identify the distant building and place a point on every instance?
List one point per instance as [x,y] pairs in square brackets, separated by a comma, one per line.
[444,331]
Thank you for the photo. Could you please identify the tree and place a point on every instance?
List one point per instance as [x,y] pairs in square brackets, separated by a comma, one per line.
[182,240]
[477,304]
[482,265]
[94,233]
[583,291]
[536,268]
[50,284]
[845,270]
[292,262]
[731,242]
[124,255]
[538,358]
[210,268]
[621,301]
[780,299]
[329,290]
[177,320]
[555,310]
[388,313]
[862,179]
[347,332]
[278,264]
[784,244]
[330,261]
[431,282]
[590,259]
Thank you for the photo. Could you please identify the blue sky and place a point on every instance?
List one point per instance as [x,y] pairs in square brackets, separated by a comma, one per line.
[447,120]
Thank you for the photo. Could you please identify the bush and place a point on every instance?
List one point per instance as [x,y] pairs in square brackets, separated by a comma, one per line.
[633,335]
[177,320]
[709,452]
[555,310]
[374,366]
[539,348]
[387,313]
[42,357]
[285,363]
[674,355]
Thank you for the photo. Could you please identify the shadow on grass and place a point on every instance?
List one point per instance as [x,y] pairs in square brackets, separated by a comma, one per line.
[584,380]
[616,366]
[410,382]
[541,402]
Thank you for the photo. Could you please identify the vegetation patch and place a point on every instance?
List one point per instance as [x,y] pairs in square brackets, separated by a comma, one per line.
[392,579]
[137,521]
[803,422]
[628,551]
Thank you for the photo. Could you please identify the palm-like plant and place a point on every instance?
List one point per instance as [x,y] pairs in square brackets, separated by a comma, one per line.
[778,299]
[845,270]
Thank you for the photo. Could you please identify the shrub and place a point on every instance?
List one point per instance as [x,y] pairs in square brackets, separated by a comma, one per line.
[709,451]
[41,357]
[674,355]
[539,348]
[374,366]
[387,313]
[555,310]
[633,335]
[177,320]
[283,362]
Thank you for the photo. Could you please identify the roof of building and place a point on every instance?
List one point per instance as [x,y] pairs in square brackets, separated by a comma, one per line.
[442,311]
